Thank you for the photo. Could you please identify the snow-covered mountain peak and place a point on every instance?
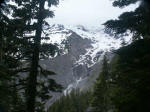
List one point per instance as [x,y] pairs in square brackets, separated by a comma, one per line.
[57,34]
[100,41]
[85,50]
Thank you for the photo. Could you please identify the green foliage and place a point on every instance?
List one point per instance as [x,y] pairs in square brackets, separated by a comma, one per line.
[136,21]
[124,87]
[29,18]
[131,78]
[19,52]
[100,100]
[121,3]
[10,99]
[76,101]
[130,68]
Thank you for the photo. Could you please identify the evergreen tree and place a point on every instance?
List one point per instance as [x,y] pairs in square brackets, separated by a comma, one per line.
[76,101]
[130,72]
[35,11]
[100,95]
[135,21]
[9,61]
[20,54]
[131,80]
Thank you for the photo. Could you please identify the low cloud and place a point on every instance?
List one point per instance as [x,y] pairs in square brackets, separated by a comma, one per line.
[86,12]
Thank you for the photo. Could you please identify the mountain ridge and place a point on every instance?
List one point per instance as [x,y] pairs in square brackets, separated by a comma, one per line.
[80,63]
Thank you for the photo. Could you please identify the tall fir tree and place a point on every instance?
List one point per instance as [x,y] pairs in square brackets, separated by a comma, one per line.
[9,60]
[20,54]
[129,74]
[100,95]
[35,11]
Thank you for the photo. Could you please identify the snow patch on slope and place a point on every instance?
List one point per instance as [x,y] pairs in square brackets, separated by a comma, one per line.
[101,43]
[73,86]
[57,34]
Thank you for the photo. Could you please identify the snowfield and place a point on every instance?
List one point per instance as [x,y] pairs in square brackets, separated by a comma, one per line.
[101,42]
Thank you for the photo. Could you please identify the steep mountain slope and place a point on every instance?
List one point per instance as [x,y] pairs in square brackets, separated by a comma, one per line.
[80,59]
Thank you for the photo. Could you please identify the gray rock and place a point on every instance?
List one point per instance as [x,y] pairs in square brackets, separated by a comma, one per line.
[69,73]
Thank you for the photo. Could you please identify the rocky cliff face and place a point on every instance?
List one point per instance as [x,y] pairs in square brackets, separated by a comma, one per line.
[80,63]
[65,65]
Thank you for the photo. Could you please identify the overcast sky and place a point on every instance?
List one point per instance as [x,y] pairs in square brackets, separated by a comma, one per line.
[86,12]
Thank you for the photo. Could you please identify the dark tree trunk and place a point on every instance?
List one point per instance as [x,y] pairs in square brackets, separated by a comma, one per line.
[32,83]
